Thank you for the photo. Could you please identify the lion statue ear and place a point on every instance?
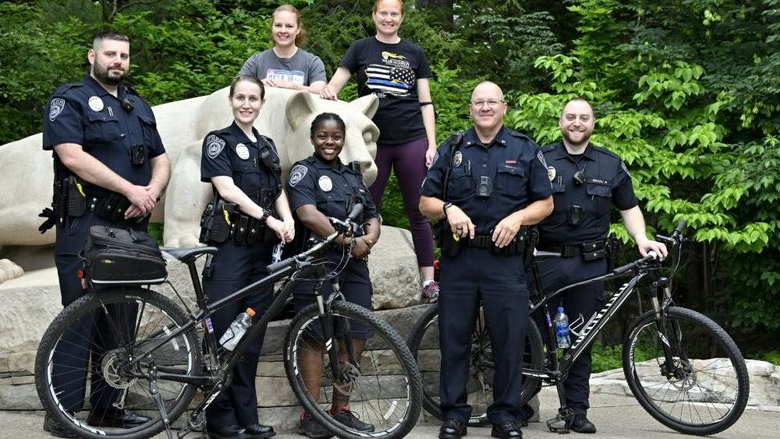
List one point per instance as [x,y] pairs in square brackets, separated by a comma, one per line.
[367,105]
[298,107]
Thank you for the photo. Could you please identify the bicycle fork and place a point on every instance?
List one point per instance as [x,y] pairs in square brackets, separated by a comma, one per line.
[340,374]
[660,289]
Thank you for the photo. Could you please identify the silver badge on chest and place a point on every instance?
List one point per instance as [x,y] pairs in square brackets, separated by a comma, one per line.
[551,173]
[457,159]
[326,184]
[242,151]
[96,104]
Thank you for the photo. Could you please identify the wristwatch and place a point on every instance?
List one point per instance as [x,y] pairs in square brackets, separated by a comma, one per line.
[266,214]
[445,206]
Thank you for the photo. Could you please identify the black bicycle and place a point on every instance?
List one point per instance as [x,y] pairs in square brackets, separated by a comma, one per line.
[681,366]
[166,351]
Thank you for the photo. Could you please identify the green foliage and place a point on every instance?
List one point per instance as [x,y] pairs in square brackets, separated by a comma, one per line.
[605,357]
[687,92]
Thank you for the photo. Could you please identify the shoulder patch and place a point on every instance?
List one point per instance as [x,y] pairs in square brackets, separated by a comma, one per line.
[55,108]
[297,174]
[214,145]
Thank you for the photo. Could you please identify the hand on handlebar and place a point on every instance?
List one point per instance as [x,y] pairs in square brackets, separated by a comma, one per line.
[648,245]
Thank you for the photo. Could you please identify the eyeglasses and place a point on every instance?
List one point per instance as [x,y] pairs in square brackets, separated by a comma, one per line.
[490,103]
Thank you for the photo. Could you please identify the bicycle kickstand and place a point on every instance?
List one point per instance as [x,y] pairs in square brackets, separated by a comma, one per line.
[160,404]
[560,423]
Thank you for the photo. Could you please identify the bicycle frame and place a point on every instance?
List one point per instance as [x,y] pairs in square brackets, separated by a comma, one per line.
[596,323]
[298,268]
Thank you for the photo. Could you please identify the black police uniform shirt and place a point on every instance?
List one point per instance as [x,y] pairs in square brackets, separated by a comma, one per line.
[229,152]
[604,181]
[333,190]
[105,126]
[511,161]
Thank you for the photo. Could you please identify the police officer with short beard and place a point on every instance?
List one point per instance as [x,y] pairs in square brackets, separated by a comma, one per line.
[110,169]
[586,180]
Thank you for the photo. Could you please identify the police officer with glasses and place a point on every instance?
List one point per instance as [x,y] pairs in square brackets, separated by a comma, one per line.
[485,185]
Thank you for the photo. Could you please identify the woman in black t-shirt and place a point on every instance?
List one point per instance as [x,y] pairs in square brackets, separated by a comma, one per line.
[397,72]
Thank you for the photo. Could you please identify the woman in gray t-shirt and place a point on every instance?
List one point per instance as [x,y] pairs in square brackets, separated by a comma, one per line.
[286,65]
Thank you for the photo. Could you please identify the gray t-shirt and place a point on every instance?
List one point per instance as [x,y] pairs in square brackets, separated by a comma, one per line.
[302,68]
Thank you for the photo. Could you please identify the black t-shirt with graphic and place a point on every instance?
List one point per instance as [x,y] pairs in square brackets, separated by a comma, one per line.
[390,71]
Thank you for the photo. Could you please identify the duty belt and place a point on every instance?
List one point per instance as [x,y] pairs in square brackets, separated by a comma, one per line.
[516,246]
[590,249]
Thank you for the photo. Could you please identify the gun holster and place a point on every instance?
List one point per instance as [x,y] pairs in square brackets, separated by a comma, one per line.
[76,199]
[215,222]
[449,245]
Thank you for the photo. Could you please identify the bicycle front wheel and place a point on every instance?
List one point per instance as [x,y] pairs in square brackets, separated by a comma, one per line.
[92,344]
[704,387]
[424,344]
[382,386]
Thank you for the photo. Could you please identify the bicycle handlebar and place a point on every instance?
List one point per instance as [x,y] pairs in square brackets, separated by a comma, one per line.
[676,237]
[347,225]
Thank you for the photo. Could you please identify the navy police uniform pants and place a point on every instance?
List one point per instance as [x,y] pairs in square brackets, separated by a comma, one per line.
[497,281]
[234,267]
[88,337]
[581,301]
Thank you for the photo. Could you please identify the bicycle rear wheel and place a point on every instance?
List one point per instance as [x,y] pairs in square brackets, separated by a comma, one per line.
[705,389]
[424,344]
[90,345]
[383,390]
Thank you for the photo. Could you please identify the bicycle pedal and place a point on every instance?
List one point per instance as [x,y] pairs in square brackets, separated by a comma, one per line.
[558,425]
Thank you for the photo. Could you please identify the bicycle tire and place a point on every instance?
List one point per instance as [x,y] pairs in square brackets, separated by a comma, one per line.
[424,345]
[134,319]
[710,386]
[385,392]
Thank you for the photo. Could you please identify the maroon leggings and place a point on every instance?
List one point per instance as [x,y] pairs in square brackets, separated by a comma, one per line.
[408,162]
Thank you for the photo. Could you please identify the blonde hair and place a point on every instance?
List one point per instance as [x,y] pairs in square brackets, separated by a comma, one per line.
[376,6]
[301,37]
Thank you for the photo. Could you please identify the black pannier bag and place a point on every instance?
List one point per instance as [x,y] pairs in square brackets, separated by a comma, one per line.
[119,256]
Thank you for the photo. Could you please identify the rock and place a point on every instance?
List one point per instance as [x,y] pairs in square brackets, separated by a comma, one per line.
[394,272]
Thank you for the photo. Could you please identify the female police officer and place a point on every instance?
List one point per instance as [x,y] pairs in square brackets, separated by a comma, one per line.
[244,169]
[321,186]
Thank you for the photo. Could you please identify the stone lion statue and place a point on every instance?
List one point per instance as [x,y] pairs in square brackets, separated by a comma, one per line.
[286,118]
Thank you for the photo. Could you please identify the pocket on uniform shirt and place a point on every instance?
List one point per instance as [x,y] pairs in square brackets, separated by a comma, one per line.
[149,127]
[601,194]
[101,128]
[510,179]
[461,185]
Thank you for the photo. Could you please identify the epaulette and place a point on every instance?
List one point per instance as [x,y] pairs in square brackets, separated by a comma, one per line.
[605,151]
[63,88]
[269,142]
[514,133]
[130,89]
[551,147]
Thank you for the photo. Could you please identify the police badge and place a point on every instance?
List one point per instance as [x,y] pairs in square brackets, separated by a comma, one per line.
[326,184]
[242,151]
[96,104]
[457,159]
[214,146]
[55,108]
[551,173]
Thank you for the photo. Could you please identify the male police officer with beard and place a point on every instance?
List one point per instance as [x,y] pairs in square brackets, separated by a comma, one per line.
[486,185]
[110,169]
[586,180]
